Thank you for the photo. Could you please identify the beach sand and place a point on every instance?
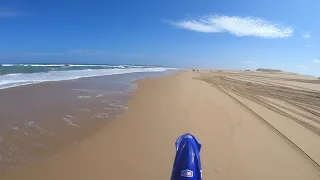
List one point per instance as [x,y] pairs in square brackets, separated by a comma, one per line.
[236,142]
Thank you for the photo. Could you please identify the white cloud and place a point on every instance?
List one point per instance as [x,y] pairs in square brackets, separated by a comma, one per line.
[235,25]
[302,67]
[306,35]
[316,61]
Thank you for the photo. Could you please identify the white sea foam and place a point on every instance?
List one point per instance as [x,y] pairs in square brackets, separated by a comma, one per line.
[115,109]
[43,65]
[14,74]
[37,126]
[101,115]
[90,65]
[111,101]
[7,81]
[84,90]
[69,122]
[100,95]
[69,116]
[15,128]
[84,97]
[34,65]
[114,103]
[84,110]
[113,92]
[6,65]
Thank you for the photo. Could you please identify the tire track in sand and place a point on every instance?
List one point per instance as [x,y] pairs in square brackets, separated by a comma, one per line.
[300,151]
[252,94]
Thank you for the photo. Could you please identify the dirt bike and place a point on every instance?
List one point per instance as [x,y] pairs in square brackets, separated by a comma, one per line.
[187,163]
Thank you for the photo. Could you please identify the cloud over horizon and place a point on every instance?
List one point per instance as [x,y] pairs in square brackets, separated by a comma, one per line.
[316,61]
[235,25]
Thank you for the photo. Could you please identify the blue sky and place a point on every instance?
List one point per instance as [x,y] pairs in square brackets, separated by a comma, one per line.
[225,34]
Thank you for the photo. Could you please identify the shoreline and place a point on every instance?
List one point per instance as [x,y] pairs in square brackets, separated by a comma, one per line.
[82,78]
[40,120]
[139,144]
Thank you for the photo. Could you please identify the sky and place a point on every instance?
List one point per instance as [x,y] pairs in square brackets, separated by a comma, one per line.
[224,34]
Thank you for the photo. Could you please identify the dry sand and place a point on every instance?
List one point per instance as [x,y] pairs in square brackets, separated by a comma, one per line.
[242,136]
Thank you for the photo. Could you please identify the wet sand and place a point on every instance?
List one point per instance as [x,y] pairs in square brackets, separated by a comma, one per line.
[139,144]
[43,119]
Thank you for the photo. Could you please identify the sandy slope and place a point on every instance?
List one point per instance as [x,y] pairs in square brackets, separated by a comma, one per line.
[140,144]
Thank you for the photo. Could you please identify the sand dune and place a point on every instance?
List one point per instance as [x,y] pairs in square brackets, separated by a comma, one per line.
[248,130]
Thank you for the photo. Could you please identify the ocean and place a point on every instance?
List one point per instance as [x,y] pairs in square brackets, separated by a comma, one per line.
[12,75]
[74,102]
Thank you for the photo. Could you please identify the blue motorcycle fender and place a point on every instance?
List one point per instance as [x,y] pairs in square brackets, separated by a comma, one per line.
[187,164]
